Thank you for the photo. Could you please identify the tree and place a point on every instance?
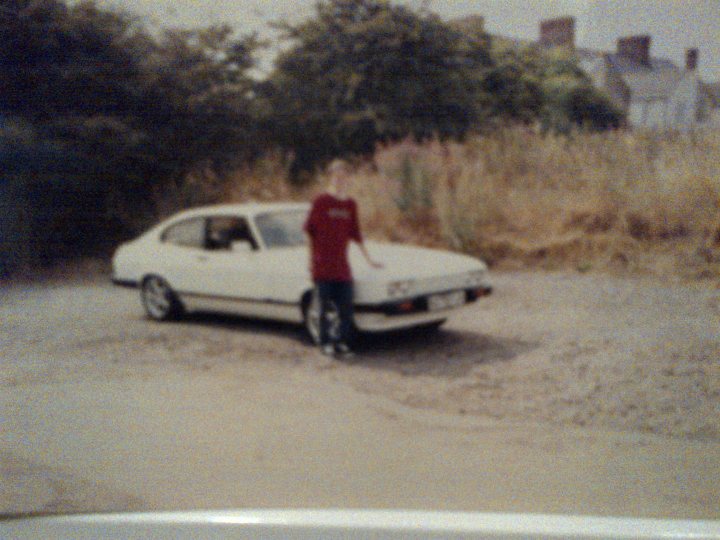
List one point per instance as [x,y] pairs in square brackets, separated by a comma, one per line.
[116,114]
[528,84]
[58,60]
[362,71]
[569,98]
[512,86]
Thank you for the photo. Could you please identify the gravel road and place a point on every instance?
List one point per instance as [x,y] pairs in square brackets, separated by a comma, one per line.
[559,393]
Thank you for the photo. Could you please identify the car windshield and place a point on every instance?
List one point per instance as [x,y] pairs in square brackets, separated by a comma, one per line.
[282,229]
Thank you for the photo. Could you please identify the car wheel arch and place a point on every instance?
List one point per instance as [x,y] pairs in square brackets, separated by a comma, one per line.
[175,308]
[305,299]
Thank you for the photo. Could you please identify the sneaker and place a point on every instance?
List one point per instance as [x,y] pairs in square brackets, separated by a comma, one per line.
[343,350]
[328,349]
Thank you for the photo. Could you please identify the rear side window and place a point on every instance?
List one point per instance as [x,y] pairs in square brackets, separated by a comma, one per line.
[189,233]
[224,230]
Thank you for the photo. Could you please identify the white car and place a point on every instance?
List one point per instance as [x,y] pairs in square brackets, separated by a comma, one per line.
[253,260]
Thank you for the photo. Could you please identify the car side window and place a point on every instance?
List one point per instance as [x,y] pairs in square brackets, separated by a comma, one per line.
[188,233]
[223,231]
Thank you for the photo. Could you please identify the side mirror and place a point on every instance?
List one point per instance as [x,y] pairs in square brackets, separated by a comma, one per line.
[241,246]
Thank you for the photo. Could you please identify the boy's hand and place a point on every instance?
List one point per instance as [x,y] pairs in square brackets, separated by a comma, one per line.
[374,264]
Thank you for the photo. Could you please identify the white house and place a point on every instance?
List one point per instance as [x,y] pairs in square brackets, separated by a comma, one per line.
[653,92]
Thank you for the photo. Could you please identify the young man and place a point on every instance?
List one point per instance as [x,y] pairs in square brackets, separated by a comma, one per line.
[331,224]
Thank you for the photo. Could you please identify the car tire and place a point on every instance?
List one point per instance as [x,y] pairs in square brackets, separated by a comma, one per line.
[159,300]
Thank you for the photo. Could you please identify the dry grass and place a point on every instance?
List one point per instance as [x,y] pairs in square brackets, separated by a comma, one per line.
[634,201]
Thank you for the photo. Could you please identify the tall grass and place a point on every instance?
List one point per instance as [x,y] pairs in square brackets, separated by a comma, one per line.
[586,199]
[516,197]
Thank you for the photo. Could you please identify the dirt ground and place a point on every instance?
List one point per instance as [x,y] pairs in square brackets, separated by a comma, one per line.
[560,393]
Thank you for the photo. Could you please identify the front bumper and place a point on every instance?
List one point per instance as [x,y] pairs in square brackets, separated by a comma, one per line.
[409,312]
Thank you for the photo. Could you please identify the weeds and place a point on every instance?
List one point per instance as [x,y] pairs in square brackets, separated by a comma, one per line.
[585,200]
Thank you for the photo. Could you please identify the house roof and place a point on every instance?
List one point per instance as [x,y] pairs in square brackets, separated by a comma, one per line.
[588,54]
[646,82]
[623,64]
[658,80]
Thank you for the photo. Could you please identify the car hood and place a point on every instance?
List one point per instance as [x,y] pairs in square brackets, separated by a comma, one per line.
[403,262]
[399,261]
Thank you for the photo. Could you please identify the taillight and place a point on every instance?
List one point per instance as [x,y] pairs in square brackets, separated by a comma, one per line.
[483,291]
[406,306]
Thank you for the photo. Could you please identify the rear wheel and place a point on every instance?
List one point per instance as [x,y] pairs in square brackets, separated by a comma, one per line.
[159,300]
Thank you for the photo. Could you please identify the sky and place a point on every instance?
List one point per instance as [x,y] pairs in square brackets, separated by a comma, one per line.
[674,25]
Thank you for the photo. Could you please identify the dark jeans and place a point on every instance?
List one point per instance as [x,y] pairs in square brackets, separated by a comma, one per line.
[339,293]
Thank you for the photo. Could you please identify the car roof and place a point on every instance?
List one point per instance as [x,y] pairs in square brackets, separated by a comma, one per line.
[247,209]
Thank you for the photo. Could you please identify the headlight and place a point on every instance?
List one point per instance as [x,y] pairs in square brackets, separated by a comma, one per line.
[397,289]
[475,278]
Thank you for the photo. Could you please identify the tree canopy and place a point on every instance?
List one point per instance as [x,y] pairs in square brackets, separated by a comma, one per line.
[361,71]
[115,114]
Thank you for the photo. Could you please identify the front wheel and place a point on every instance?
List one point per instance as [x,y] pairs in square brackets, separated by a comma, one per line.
[159,300]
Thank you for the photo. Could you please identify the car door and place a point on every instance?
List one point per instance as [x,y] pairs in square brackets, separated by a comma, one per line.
[181,257]
[285,254]
[232,263]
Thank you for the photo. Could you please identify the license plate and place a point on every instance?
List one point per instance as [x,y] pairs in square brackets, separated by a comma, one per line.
[446,300]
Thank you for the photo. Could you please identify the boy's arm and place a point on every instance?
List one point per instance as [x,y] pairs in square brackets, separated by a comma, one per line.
[371,262]
[357,236]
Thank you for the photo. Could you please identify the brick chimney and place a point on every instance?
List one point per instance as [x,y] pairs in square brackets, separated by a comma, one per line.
[636,48]
[691,59]
[558,32]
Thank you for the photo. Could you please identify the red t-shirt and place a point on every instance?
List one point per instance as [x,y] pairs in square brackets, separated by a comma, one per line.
[331,224]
